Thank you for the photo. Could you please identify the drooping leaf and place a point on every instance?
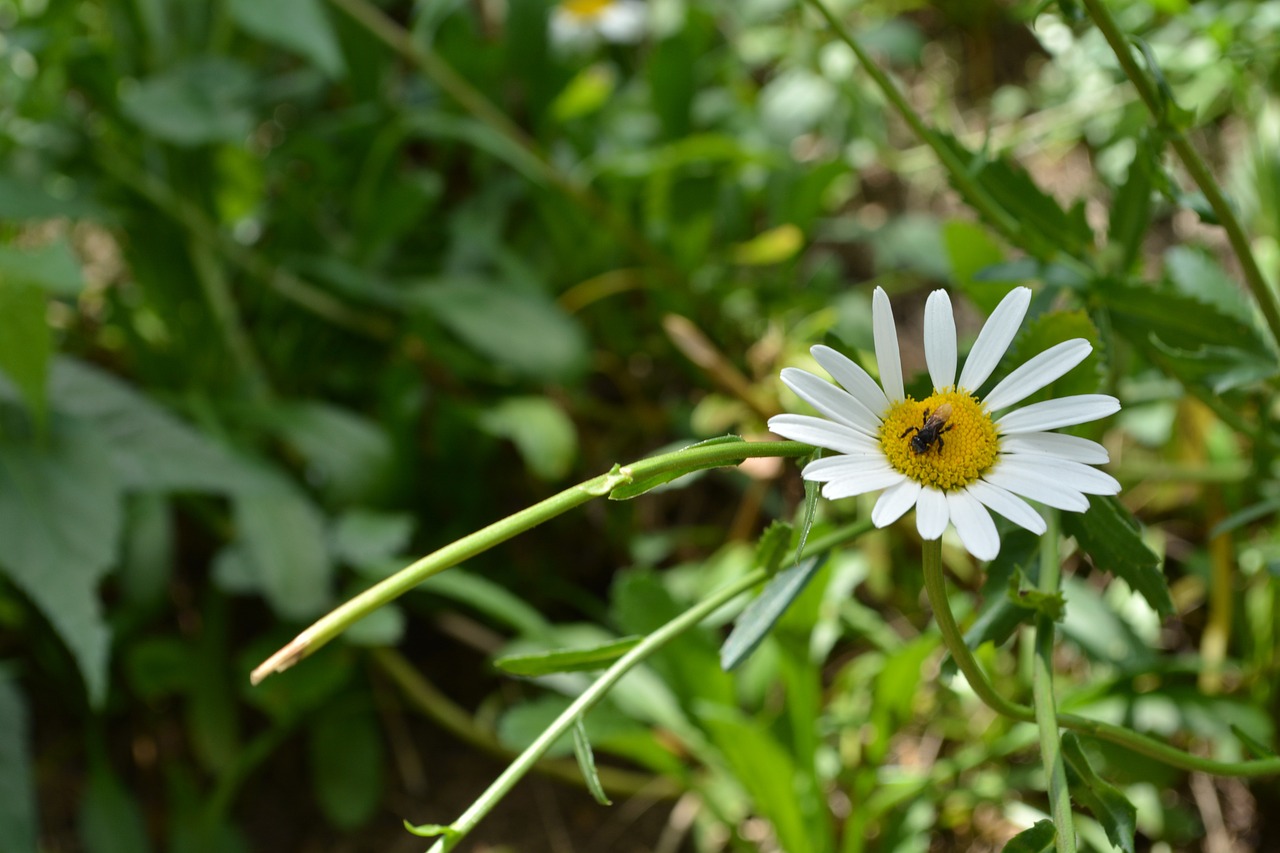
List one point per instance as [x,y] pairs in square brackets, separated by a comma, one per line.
[347,759]
[283,536]
[200,101]
[61,516]
[1037,838]
[19,826]
[523,333]
[587,763]
[567,660]
[26,343]
[298,25]
[1110,535]
[763,613]
[1105,801]
[541,431]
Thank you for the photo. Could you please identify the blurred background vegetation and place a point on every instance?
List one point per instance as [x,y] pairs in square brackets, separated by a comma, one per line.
[292,292]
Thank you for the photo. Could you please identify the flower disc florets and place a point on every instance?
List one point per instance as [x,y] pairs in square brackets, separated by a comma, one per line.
[967,443]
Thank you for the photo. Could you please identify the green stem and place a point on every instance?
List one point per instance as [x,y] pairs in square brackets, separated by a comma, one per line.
[1042,691]
[960,174]
[1196,167]
[470,99]
[936,588]
[459,829]
[689,459]
[222,305]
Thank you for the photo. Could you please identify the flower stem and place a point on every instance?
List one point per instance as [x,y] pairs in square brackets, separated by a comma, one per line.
[1196,167]
[593,694]
[936,588]
[689,459]
[1042,691]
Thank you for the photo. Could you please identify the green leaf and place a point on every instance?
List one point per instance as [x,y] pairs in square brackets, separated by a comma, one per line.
[1000,617]
[149,448]
[431,830]
[347,761]
[567,660]
[762,614]
[773,544]
[487,598]
[1255,746]
[26,343]
[61,517]
[148,559]
[383,627]
[1197,274]
[19,826]
[348,456]
[587,92]
[1110,535]
[1131,207]
[1037,838]
[1050,605]
[200,101]
[1180,321]
[587,762]
[970,250]
[297,25]
[53,268]
[110,818]
[1051,329]
[541,431]
[769,247]
[811,494]
[522,332]
[646,484]
[283,536]
[364,537]
[1105,801]
[1220,368]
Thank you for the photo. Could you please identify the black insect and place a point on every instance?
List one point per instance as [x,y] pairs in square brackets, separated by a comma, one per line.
[930,430]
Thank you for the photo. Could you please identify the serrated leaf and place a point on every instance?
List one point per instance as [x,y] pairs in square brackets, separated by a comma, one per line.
[297,25]
[1183,322]
[773,545]
[1037,838]
[640,486]
[19,825]
[567,660]
[1110,535]
[1196,274]
[1050,605]
[1221,368]
[587,762]
[763,613]
[1015,191]
[1108,805]
[61,517]
[26,344]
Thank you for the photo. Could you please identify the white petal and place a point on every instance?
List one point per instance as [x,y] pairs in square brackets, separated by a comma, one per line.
[1038,372]
[854,379]
[995,338]
[940,339]
[1045,491]
[831,401]
[822,433]
[1056,444]
[1064,411]
[840,467]
[862,483]
[973,523]
[1072,475]
[886,335]
[1009,505]
[894,503]
[931,513]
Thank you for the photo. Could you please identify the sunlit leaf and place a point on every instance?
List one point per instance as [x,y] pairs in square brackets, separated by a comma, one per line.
[567,660]
[1110,535]
[1037,838]
[1105,801]
[765,610]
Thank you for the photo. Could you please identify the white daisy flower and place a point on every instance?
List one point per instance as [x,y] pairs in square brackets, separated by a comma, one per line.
[949,455]
[581,23]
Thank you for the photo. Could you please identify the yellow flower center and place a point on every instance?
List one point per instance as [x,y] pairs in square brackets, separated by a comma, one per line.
[585,10]
[945,440]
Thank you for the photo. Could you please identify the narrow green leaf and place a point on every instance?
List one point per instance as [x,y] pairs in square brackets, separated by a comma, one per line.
[26,344]
[1112,538]
[639,487]
[811,494]
[1105,801]
[431,830]
[587,762]
[1248,515]
[1131,207]
[297,25]
[1257,747]
[763,613]
[19,826]
[1037,838]
[566,660]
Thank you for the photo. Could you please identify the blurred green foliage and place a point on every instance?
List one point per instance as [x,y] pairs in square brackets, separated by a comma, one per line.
[291,292]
